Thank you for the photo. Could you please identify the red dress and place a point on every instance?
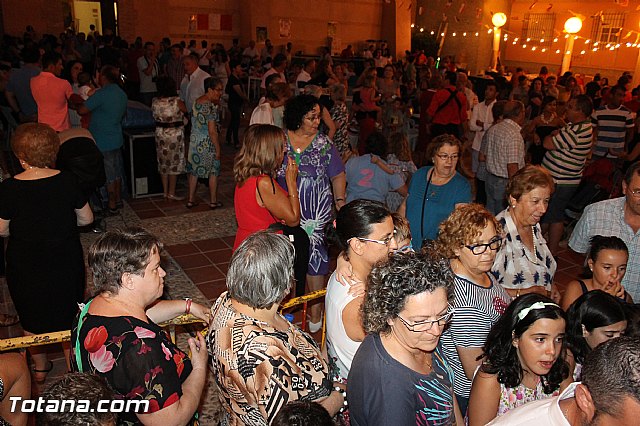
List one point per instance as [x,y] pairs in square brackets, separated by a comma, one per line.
[250,215]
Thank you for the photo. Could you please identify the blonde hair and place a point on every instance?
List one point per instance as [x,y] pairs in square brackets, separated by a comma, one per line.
[261,152]
[399,146]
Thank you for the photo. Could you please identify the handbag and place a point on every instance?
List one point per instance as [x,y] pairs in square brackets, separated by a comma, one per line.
[300,240]
[425,241]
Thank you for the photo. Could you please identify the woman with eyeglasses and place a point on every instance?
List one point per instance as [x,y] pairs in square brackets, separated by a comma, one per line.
[321,183]
[470,238]
[524,263]
[435,190]
[524,359]
[399,374]
[364,233]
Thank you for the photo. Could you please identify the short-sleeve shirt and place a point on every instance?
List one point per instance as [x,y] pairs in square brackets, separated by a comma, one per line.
[451,112]
[137,359]
[572,147]
[366,180]
[234,98]
[439,202]
[108,106]
[477,309]
[612,125]
[51,94]
[606,218]
[147,85]
[382,391]
[20,85]
[504,145]
[259,369]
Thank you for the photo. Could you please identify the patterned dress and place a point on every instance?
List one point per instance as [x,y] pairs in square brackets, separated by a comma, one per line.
[340,115]
[169,140]
[202,161]
[137,358]
[317,165]
[511,398]
[259,369]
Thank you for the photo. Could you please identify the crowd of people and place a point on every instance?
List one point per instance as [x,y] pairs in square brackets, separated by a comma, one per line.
[444,306]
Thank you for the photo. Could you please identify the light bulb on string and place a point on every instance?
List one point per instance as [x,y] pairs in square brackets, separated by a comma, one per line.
[524,46]
[441,34]
[541,40]
[544,49]
[477,34]
[555,40]
[432,32]
[453,34]
[587,41]
[516,39]
[533,48]
[464,34]
[595,49]
[583,52]
[413,25]
[490,31]
[558,51]
[422,30]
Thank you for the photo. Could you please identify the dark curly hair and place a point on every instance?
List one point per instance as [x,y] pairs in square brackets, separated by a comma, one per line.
[296,108]
[502,357]
[392,281]
[592,310]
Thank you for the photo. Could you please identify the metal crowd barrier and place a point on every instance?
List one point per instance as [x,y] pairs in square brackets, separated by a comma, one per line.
[65,336]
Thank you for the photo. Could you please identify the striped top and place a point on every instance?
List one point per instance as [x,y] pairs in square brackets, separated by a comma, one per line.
[612,127]
[477,309]
[572,146]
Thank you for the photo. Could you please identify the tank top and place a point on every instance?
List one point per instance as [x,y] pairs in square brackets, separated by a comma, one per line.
[511,398]
[250,215]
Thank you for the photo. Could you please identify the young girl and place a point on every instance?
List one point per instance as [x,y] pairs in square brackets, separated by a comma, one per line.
[607,261]
[593,318]
[369,97]
[524,359]
[400,161]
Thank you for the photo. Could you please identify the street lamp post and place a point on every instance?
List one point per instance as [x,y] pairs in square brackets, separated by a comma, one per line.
[498,20]
[571,27]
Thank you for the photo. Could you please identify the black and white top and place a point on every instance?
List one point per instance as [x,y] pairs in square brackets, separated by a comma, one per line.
[476,310]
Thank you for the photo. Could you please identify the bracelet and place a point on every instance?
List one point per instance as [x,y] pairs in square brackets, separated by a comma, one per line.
[345,404]
[187,309]
[294,195]
[339,199]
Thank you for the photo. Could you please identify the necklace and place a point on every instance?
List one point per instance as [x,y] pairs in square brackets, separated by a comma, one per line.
[545,121]
[535,250]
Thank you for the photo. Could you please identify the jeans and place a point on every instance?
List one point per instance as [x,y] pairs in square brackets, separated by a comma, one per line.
[495,187]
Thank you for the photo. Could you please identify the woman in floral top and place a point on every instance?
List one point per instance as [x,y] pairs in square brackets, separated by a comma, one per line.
[524,359]
[116,334]
[260,360]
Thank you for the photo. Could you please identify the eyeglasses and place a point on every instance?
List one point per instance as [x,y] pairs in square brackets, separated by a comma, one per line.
[478,249]
[635,192]
[421,326]
[445,157]
[385,242]
[312,118]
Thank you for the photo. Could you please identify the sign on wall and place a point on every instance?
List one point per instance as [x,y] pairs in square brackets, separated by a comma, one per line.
[261,34]
[285,28]
[210,22]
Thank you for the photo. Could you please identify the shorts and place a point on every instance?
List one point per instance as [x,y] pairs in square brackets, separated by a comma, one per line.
[558,203]
[113,165]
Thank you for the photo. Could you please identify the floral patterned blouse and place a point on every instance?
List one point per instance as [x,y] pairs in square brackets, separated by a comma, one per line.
[259,369]
[515,266]
[511,398]
[137,358]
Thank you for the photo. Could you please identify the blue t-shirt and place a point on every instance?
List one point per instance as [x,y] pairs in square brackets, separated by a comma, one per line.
[108,106]
[368,181]
[382,391]
[439,202]
[20,85]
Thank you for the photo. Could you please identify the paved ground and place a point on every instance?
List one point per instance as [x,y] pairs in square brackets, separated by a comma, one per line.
[197,251]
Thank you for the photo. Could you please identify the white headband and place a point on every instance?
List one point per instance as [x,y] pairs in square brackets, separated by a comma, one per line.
[538,305]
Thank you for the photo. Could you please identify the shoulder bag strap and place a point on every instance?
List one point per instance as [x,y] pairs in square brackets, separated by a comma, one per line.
[424,200]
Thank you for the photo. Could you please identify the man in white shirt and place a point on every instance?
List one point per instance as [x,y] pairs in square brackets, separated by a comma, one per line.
[504,151]
[481,120]
[278,66]
[148,71]
[305,74]
[251,53]
[608,395]
[192,86]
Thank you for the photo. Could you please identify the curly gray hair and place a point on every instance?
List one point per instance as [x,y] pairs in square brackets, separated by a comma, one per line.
[395,279]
